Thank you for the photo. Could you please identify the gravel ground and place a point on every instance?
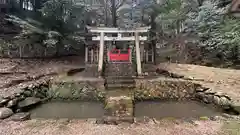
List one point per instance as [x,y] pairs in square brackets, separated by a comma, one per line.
[80,127]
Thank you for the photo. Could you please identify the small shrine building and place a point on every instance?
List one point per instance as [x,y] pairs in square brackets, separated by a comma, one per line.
[116,45]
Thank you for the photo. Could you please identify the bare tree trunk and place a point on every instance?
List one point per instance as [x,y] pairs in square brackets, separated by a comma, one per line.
[114,10]
[114,16]
[20,51]
[21,4]
[200,2]
[153,34]
[106,13]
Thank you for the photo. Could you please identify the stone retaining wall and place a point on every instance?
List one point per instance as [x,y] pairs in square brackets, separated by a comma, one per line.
[164,89]
[180,89]
[76,89]
[18,103]
[209,97]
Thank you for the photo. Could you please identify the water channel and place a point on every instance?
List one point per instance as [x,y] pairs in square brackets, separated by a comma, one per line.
[158,110]
[68,109]
[174,109]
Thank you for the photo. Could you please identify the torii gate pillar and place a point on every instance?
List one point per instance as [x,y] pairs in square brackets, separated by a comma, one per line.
[138,56]
[101,51]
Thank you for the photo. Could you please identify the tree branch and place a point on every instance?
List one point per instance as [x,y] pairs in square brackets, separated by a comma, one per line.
[119,4]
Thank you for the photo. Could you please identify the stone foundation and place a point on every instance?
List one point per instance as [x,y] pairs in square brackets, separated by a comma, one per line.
[91,70]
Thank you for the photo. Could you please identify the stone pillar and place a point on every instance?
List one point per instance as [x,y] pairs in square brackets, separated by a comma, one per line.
[92,60]
[101,52]
[138,57]
[130,56]
[86,54]
[142,52]
[153,53]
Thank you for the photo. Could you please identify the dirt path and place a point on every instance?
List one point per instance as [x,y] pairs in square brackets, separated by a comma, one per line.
[77,127]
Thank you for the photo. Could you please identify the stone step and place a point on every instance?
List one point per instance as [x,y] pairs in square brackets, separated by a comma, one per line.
[116,120]
[117,86]
[125,73]
[120,77]
[119,74]
[119,69]
[119,81]
[120,92]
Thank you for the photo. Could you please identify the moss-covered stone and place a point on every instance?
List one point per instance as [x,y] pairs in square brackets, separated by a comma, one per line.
[237,108]
[75,89]
[119,107]
[203,118]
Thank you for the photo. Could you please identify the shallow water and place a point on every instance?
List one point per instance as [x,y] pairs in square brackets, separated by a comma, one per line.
[68,109]
[158,110]
[188,109]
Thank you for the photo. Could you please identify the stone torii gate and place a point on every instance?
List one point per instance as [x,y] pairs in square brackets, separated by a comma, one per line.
[102,38]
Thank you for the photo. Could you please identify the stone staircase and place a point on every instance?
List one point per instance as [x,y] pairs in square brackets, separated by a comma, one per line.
[119,80]
[112,83]
[119,69]
[119,76]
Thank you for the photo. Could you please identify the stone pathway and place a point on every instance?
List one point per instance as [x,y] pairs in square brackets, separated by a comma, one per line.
[112,83]
[119,107]
[119,99]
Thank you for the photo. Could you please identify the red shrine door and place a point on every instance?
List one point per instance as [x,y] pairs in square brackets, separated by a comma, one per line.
[119,55]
